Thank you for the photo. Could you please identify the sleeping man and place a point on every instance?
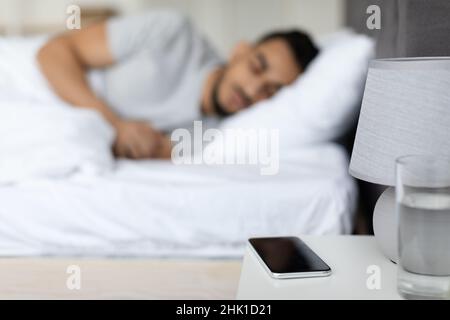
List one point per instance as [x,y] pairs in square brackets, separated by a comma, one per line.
[158,73]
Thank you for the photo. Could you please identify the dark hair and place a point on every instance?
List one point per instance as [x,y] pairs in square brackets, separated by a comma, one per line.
[301,44]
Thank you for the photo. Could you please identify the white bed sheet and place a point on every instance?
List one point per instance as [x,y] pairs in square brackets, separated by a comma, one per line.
[154,208]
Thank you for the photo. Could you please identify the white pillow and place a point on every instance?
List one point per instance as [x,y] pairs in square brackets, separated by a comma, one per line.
[318,107]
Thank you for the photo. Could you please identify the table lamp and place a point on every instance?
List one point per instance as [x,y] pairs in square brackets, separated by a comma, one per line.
[405,111]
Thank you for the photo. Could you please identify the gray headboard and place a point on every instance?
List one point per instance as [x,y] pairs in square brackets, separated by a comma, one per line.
[409,28]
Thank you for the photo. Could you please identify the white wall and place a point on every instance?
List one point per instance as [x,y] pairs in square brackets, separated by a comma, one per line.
[224,21]
[227,21]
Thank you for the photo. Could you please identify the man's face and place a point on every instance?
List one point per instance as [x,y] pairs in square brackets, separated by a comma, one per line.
[255,73]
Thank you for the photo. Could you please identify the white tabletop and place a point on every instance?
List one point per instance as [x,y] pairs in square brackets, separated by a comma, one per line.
[355,261]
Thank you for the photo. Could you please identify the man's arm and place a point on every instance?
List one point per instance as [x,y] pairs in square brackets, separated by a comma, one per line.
[65,60]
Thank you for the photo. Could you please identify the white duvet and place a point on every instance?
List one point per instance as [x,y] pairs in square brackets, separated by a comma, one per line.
[62,193]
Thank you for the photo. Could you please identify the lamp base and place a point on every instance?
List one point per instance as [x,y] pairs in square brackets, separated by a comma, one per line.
[385,224]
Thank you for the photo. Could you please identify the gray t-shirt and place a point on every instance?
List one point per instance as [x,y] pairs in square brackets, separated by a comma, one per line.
[161,65]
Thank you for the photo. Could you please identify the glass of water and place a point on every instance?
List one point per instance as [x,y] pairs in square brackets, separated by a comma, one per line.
[423,213]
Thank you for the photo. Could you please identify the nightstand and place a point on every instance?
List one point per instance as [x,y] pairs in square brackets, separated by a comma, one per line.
[356,264]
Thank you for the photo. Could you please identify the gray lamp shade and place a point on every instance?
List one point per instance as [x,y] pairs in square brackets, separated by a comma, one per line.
[405,110]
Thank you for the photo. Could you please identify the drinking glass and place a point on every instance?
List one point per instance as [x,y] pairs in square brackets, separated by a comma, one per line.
[423,217]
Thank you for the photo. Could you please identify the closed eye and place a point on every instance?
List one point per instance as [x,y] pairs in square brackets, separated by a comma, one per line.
[255,66]
[258,63]
[262,61]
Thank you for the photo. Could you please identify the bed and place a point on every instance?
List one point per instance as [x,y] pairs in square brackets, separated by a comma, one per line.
[145,208]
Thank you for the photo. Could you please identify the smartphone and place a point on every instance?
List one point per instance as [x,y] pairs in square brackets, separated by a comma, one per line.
[288,257]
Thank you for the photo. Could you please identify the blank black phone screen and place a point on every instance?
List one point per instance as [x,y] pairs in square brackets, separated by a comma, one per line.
[288,255]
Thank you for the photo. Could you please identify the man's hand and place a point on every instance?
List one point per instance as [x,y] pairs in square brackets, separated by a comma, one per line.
[136,140]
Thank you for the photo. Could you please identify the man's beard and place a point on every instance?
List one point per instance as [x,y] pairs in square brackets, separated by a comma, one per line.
[219,109]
